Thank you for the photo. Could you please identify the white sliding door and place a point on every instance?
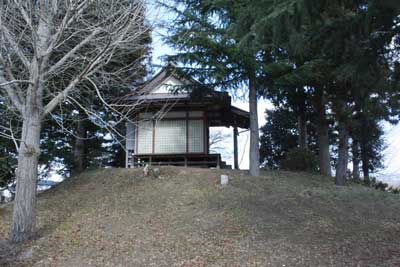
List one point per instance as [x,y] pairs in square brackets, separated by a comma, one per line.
[145,137]
[176,133]
[170,137]
[196,136]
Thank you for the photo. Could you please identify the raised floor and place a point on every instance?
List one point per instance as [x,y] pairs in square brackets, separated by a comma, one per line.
[186,160]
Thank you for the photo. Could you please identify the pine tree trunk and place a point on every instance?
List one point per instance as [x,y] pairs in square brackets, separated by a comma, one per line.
[79,147]
[254,131]
[24,217]
[323,139]
[364,149]
[356,158]
[343,157]
[365,163]
[302,127]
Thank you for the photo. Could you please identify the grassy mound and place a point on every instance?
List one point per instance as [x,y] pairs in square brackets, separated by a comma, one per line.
[116,217]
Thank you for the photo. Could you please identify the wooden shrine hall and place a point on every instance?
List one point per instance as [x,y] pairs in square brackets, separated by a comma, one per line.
[171,124]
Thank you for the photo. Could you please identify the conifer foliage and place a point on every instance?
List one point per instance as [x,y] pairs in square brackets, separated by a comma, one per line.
[354,44]
[214,44]
[330,64]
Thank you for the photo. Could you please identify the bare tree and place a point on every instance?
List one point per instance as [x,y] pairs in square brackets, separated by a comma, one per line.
[48,48]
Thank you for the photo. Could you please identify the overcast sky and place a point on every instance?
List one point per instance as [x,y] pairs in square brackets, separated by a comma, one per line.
[392,153]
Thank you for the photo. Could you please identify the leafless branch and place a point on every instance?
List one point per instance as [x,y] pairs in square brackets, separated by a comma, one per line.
[64,43]
[15,46]
[14,81]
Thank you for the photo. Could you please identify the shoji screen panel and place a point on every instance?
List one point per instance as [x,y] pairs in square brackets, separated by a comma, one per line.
[130,136]
[196,136]
[145,137]
[170,137]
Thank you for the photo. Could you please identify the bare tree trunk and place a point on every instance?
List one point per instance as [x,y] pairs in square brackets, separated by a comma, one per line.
[79,147]
[323,139]
[343,156]
[254,131]
[23,224]
[356,158]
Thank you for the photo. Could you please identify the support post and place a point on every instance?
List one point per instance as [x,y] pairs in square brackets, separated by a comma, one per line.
[235,148]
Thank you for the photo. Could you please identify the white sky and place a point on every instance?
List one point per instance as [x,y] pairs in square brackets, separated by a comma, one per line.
[390,174]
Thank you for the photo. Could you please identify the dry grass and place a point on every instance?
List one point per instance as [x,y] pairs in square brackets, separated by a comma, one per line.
[115,217]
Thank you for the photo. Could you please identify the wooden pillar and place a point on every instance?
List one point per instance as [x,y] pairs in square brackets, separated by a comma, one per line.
[235,148]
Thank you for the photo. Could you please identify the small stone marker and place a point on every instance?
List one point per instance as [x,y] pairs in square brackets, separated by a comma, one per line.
[224,179]
[146,170]
[156,172]
[151,172]
[26,254]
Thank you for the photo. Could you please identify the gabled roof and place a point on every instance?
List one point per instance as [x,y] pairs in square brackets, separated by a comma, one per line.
[170,71]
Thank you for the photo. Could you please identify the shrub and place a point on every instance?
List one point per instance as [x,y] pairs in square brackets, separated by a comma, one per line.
[381,186]
[300,159]
[378,185]
[394,190]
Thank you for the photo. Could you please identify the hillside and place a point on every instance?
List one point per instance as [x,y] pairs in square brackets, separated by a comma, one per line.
[116,217]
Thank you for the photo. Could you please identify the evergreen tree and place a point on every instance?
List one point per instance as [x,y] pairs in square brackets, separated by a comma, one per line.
[7,162]
[280,135]
[215,42]
[8,128]
[351,41]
